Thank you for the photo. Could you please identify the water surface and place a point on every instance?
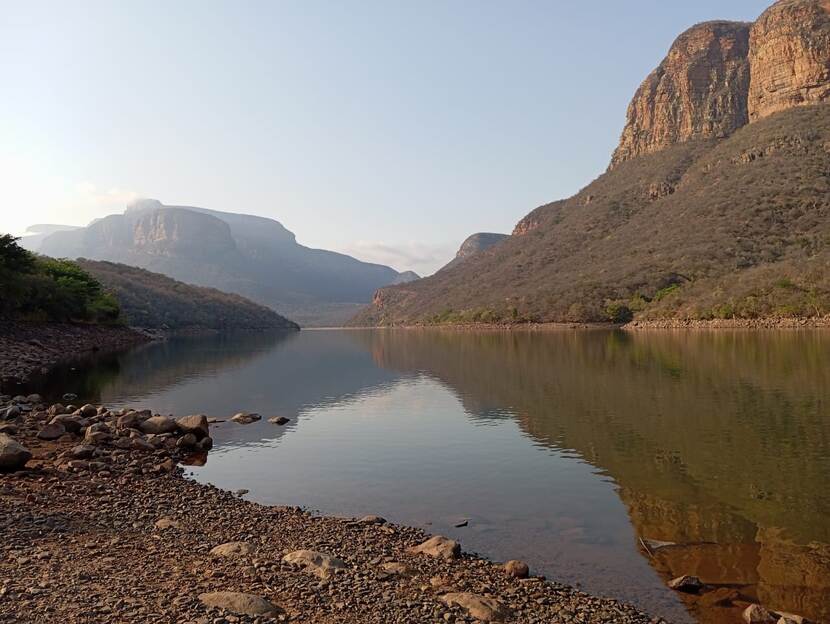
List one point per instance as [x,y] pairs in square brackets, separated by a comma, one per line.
[560,448]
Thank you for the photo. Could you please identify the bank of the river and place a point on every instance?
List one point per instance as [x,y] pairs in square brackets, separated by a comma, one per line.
[102,526]
[761,323]
[30,348]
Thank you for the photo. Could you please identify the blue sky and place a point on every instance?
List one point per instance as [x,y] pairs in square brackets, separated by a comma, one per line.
[389,130]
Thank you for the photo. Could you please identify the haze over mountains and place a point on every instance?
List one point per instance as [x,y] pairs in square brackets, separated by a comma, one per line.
[252,256]
[715,204]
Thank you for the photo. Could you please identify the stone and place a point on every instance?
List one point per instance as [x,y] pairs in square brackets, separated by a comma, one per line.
[88,411]
[245,418]
[197,425]
[438,546]
[57,409]
[158,424]
[166,522]
[483,608]
[34,399]
[372,520]
[130,420]
[68,421]
[188,440]
[756,614]
[232,549]
[517,569]
[789,618]
[12,412]
[52,431]
[686,584]
[789,57]
[698,91]
[398,568]
[69,396]
[140,444]
[320,564]
[241,603]
[82,451]
[205,444]
[278,420]
[13,455]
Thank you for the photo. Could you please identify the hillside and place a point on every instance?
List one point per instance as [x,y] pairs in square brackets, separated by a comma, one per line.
[155,301]
[252,256]
[715,204]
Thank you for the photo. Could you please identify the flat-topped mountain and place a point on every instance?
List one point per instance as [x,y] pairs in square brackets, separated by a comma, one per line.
[715,205]
[255,257]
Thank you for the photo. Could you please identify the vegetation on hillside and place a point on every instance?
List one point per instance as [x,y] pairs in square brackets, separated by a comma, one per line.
[43,289]
[155,301]
[732,228]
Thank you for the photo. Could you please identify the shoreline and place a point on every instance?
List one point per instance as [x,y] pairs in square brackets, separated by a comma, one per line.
[88,500]
[29,348]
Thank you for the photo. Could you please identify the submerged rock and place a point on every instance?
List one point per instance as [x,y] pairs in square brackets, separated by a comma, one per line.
[245,418]
[278,420]
[686,584]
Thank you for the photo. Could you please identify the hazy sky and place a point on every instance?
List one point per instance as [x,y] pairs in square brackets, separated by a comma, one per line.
[389,130]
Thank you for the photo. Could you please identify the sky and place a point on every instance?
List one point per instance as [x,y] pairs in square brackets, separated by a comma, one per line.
[388,130]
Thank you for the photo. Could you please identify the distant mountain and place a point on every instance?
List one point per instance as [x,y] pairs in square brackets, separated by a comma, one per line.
[716,203]
[474,244]
[35,234]
[406,277]
[255,257]
[155,301]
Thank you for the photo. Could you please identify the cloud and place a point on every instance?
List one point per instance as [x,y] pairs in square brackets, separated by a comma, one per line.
[422,258]
[88,196]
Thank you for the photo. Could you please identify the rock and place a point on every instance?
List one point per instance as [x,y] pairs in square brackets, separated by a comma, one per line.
[57,409]
[278,420]
[197,425]
[13,455]
[395,567]
[686,584]
[188,440]
[130,420]
[245,418]
[789,618]
[68,421]
[789,56]
[166,522]
[158,424]
[52,431]
[438,546]
[82,451]
[482,608]
[205,444]
[698,91]
[372,520]
[140,444]
[232,549]
[8,428]
[720,597]
[756,614]
[34,399]
[88,411]
[517,569]
[69,396]
[243,604]
[12,412]
[318,563]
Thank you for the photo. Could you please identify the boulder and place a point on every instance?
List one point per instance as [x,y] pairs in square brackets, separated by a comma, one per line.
[320,564]
[756,614]
[130,420]
[82,451]
[238,602]
[205,444]
[438,546]
[245,418]
[482,608]
[372,520]
[57,409]
[12,412]
[166,522]
[158,424]
[88,411]
[140,444]
[13,455]
[196,424]
[70,423]
[517,569]
[686,584]
[396,567]
[188,440]
[52,431]
[232,549]
[278,420]
[34,399]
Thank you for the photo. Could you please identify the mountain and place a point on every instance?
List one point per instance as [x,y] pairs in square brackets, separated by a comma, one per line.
[252,256]
[474,244]
[35,234]
[155,301]
[715,204]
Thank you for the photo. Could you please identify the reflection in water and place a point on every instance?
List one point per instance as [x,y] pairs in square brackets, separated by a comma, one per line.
[719,442]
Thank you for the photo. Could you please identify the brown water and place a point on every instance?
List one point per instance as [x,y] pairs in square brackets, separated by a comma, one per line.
[561,448]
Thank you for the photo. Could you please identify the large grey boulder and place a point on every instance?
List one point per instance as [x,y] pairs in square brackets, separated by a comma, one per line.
[241,603]
[13,455]
[158,424]
[438,546]
[196,424]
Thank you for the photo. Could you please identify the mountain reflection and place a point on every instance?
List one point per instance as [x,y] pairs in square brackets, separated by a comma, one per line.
[718,441]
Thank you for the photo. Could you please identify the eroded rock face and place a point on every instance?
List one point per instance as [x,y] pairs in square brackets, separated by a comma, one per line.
[698,91]
[789,57]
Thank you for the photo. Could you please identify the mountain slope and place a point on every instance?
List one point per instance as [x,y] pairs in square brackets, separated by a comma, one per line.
[155,301]
[694,218]
[252,256]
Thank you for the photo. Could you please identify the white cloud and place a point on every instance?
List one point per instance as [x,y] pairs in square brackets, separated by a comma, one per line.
[422,258]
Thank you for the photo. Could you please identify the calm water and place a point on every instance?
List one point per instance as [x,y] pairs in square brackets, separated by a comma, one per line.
[561,448]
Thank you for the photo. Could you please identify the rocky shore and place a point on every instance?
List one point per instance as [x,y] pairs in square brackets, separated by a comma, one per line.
[30,348]
[761,323]
[100,525]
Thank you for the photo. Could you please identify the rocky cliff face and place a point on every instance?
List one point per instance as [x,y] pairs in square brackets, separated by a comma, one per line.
[699,90]
[720,76]
[789,57]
